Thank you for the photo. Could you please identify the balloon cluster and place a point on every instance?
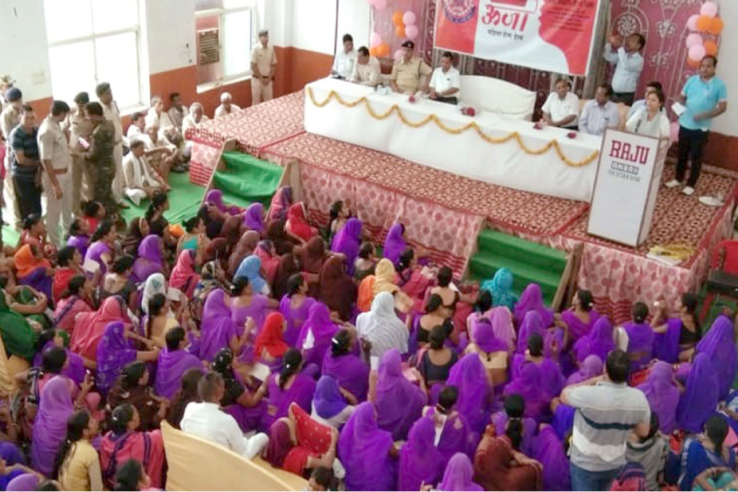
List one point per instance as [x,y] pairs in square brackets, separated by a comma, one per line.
[377,46]
[405,26]
[708,22]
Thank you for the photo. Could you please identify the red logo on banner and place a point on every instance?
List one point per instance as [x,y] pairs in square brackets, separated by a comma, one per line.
[456,27]
[512,20]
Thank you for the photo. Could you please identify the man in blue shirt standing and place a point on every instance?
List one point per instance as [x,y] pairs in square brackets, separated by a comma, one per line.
[705,97]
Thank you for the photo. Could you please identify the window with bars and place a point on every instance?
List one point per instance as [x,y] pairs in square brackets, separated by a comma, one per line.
[225,37]
[93,41]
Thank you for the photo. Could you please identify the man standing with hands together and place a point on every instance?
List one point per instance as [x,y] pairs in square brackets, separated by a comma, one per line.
[263,68]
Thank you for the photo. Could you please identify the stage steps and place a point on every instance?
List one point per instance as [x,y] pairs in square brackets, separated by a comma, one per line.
[529,262]
[247,179]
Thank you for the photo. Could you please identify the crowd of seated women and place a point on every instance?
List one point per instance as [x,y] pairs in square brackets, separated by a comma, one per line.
[368,368]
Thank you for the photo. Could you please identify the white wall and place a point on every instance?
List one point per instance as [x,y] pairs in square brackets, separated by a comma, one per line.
[314,25]
[727,124]
[354,17]
[170,34]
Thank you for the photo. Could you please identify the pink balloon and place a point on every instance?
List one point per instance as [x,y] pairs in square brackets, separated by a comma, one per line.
[709,9]
[697,53]
[380,4]
[409,19]
[692,22]
[674,133]
[411,32]
[375,39]
[693,40]
[398,54]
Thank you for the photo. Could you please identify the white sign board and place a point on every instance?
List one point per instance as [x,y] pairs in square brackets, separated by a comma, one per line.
[628,178]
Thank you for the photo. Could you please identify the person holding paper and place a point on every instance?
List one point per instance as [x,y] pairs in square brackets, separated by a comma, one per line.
[705,97]
[562,106]
[628,61]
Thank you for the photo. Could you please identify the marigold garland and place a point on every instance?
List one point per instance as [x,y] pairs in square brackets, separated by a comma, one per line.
[453,131]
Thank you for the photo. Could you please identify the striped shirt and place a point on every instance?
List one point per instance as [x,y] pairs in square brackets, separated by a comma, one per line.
[606,415]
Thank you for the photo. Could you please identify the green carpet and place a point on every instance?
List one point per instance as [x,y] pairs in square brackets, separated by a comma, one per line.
[529,262]
[247,179]
[184,201]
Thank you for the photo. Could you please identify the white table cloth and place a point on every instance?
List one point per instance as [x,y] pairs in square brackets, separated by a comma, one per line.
[368,124]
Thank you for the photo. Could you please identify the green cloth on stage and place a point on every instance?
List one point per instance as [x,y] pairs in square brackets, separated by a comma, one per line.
[247,179]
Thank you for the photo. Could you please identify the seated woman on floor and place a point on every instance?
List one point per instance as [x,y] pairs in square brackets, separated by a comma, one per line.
[132,387]
[243,399]
[332,405]
[676,337]
[150,259]
[280,204]
[501,287]
[709,453]
[76,299]
[347,241]
[289,386]
[18,336]
[640,338]
[297,226]
[413,279]
[383,280]
[436,314]
[194,237]
[101,249]
[27,301]
[117,282]
[34,234]
[69,265]
[366,261]
[436,362]
[34,270]
[492,351]
[340,213]
[458,303]
[79,235]
[580,318]
[253,218]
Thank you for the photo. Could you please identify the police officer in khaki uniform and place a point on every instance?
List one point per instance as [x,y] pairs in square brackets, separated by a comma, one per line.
[263,67]
[410,74]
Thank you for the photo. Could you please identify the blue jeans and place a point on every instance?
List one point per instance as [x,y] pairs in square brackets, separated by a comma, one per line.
[582,479]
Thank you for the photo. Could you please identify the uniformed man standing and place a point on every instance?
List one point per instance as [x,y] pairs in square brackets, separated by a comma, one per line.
[263,68]
[100,160]
[410,74]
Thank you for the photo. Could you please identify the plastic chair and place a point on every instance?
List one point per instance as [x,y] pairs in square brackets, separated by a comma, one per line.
[723,277]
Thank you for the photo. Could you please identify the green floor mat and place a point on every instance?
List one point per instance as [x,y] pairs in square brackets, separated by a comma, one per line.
[247,179]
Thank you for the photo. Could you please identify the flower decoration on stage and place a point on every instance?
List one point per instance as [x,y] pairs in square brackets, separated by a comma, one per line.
[411,99]
[468,111]
[405,24]
[571,135]
[705,23]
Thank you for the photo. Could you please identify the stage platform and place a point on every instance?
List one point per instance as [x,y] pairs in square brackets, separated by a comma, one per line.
[445,212]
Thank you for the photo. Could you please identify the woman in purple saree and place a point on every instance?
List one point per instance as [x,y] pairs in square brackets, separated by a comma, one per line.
[50,425]
[113,353]
[343,363]
[456,435]
[295,307]
[549,451]
[662,395]
[581,317]
[528,385]
[551,377]
[367,452]
[172,363]
[532,323]
[149,259]
[700,397]
[597,342]
[287,387]
[719,346]
[254,218]
[322,328]
[532,300]
[218,329]
[514,408]
[458,475]
[399,402]
[640,338]
[347,241]
[34,270]
[74,368]
[395,243]
[503,326]
[420,461]
[475,393]
[591,367]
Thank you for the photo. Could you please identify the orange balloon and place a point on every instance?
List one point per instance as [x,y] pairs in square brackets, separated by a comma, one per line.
[397,18]
[693,63]
[711,47]
[716,26]
[383,50]
[400,31]
[704,23]
[374,51]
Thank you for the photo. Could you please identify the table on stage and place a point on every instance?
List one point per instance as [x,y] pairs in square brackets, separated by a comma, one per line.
[487,147]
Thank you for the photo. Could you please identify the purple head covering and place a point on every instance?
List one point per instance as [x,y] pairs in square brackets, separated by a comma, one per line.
[81,243]
[113,353]
[323,328]
[459,474]
[640,341]
[484,337]
[563,420]
[215,197]
[217,327]
[420,461]
[591,367]
[348,241]
[170,367]
[502,325]
[150,251]
[395,244]
[578,328]
[327,400]
[350,371]
[95,251]
[363,448]
[10,453]
[280,203]
[532,323]
[528,385]
[470,378]
[700,396]
[598,342]
[666,345]
[399,402]
[662,394]
[532,300]
[50,426]
[719,346]
[254,217]
[23,483]
[549,451]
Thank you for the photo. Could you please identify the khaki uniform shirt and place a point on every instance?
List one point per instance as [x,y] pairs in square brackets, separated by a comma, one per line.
[10,119]
[52,144]
[112,114]
[263,58]
[407,75]
[78,125]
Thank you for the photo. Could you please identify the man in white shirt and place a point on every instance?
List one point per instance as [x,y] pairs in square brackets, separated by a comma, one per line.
[207,421]
[343,65]
[562,107]
[177,111]
[600,113]
[140,177]
[137,126]
[263,68]
[156,116]
[171,157]
[111,112]
[651,87]
[626,56]
[445,82]
[226,106]
[366,69]
[57,178]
